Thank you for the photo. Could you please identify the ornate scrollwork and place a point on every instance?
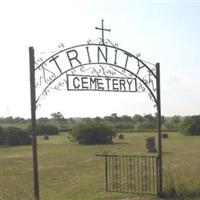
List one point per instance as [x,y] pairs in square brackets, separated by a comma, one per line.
[46,75]
[102,70]
[60,85]
[110,72]
[95,64]
[61,46]
[140,87]
[148,78]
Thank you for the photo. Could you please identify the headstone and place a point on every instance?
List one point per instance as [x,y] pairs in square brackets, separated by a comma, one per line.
[46,136]
[121,137]
[109,139]
[150,144]
[7,142]
[164,135]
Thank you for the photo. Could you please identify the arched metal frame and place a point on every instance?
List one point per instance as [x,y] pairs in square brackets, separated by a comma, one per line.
[145,83]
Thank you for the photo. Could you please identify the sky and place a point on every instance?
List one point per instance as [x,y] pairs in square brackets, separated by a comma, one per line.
[167,32]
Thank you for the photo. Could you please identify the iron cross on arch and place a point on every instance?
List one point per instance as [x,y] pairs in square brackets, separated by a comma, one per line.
[102,29]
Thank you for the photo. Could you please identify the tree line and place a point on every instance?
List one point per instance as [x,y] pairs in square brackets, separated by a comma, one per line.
[17,131]
[136,122]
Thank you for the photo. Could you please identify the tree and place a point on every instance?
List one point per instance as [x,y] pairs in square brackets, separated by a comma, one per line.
[91,132]
[149,122]
[172,123]
[16,136]
[114,115]
[45,129]
[190,125]
[58,119]
[137,118]
[43,120]
[126,118]
[57,116]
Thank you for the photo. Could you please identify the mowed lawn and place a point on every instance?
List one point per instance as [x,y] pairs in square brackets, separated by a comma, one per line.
[70,171]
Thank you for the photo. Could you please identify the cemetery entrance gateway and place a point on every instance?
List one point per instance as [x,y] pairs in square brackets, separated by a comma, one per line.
[94,66]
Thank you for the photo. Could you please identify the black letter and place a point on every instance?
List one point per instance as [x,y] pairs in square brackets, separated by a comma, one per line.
[128,55]
[100,84]
[115,57]
[122,83]
[76,86]
[129,83]
[73,58]
[88,53]
[108,83]
[104,56]
[84,83]
[54,59]
[93,82]
[115,83]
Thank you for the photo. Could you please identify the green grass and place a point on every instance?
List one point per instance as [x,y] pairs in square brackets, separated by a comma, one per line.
[72,172]
[182,165]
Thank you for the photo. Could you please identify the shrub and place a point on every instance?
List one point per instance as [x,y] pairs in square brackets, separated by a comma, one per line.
[15,136]
[45,129]
[92,133]
[121,137]
[1,136]
[50,129]
[190,125]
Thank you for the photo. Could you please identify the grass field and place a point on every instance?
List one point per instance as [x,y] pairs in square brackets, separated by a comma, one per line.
[70,171]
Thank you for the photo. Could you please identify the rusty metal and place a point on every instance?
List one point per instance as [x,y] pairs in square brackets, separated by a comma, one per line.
[131,174]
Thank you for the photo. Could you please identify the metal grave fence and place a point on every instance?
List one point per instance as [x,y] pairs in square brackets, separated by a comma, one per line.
[131,174]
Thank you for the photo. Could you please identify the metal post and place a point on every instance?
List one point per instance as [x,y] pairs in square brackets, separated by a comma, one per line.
[160,178]
[33,123]
[106,172]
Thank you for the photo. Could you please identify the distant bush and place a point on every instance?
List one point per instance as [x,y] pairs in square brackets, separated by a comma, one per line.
[1,136]
[92,133]
[190,125]
[45,129]
[120,136]
[12,136]
[65,128]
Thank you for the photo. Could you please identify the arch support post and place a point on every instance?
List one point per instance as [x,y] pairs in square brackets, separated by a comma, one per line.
[159,121]
[33,123]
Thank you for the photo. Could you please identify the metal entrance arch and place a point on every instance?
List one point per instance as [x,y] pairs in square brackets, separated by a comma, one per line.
[94,66]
